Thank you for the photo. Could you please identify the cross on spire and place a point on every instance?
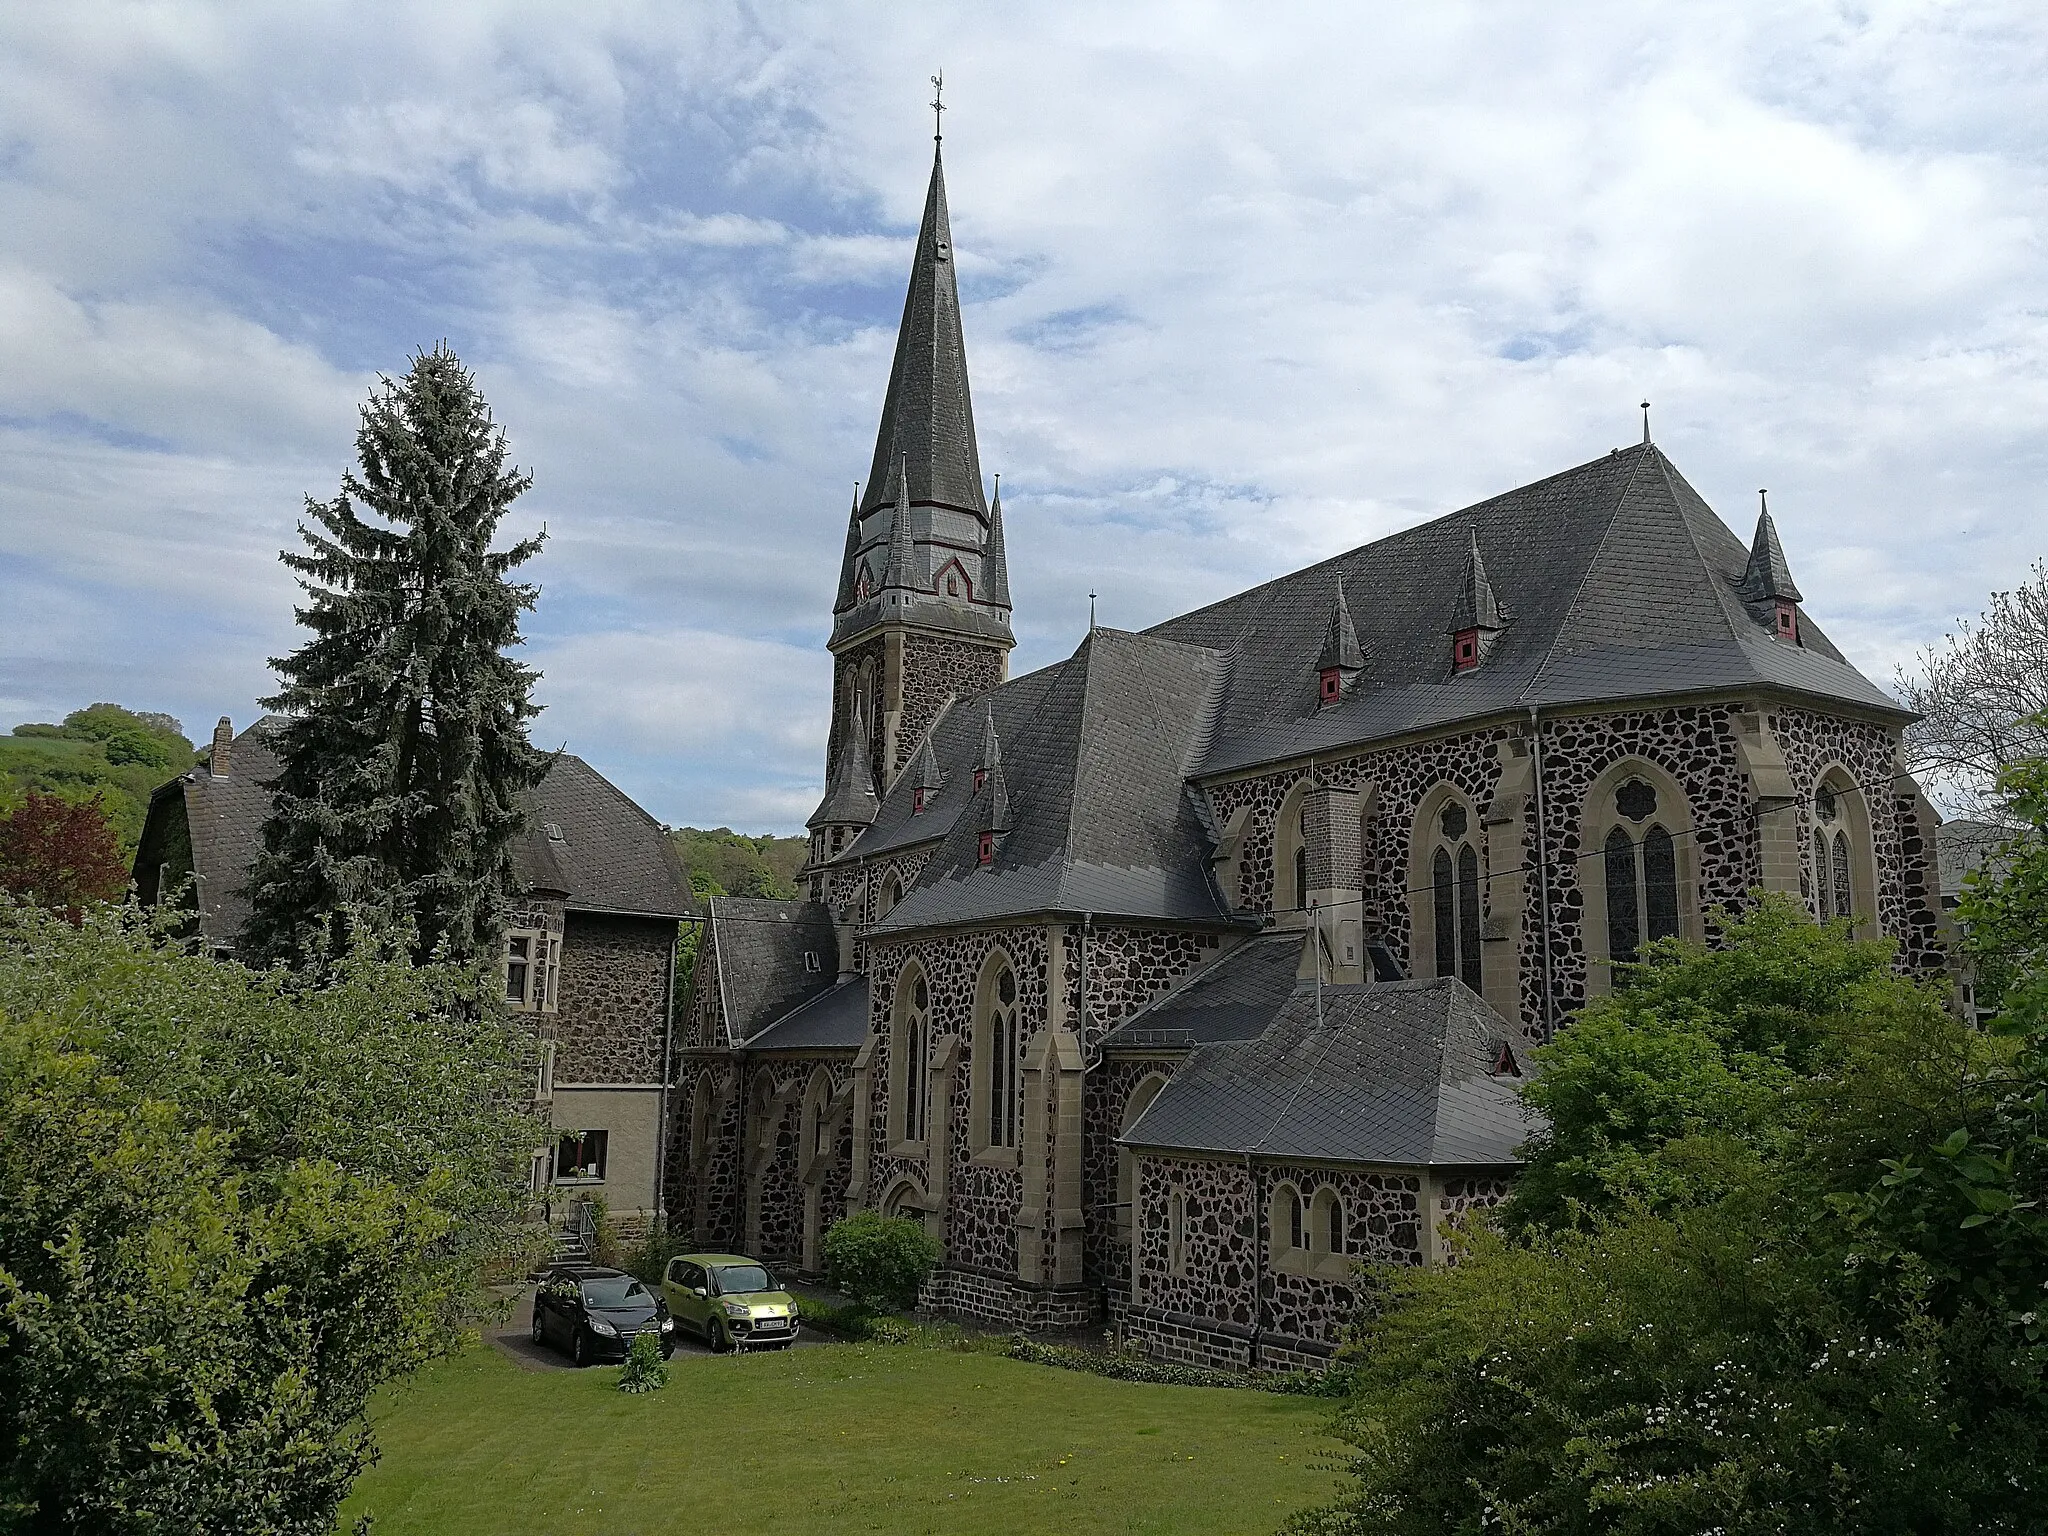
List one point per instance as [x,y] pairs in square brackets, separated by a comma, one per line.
[938,103]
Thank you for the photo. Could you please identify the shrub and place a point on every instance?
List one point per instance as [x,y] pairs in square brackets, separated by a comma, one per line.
[645,1370]
[648,1259]
[880,1261]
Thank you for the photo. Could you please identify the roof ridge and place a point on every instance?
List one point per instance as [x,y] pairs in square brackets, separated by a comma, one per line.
[1469,509]
[1714,584]
[1585,576]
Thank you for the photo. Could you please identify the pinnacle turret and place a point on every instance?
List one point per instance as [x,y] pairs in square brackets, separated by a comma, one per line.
[850,798]
[849,584]
[902,556]
[995,562]
[1341,650]
[1476,606]
[1767,578]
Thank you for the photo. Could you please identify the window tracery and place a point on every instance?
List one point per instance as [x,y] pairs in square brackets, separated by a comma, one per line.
[1639,865]
[1454,893]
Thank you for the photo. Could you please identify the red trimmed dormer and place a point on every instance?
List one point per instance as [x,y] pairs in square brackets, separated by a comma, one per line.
[985,849]
[1477,617]
[1464,650]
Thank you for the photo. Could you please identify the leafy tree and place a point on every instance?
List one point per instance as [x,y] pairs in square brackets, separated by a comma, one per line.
[880,1261]
[103,751]
[722,862]
[229,1210]
[1983,699]
[59,854]
[404,750]
[1775,1267]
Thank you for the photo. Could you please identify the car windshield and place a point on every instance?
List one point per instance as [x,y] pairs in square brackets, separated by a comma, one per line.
[736,1279]
[619,1291]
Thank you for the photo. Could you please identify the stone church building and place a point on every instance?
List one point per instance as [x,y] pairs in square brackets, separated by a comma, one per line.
[1165,983]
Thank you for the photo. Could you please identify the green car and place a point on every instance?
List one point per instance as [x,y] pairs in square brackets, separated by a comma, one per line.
[729,1301]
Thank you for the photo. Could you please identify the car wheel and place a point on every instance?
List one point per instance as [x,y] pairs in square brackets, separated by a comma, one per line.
[668,1348]
[579,1349]
[721,1341]
[538,1330]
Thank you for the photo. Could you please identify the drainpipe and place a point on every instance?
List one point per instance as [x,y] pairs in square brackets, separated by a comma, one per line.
[1251,1179]
[668,1072]
[1542,880]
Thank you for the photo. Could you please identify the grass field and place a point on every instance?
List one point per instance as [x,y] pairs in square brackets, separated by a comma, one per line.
[852,1437]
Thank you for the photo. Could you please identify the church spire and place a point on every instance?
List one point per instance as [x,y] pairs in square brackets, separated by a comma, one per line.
[1342,657]
[927,431]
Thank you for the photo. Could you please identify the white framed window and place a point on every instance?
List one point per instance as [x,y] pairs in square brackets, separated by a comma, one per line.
[579,1157]
[994,1076]
[1327,1246]
[533,968]
[910,1059]
[1287,1221]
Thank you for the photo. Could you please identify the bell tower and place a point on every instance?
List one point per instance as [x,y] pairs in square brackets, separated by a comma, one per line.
[923,607]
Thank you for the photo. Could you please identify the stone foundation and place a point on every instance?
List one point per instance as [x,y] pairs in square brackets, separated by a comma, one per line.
[1007,1302]
[1203,1341]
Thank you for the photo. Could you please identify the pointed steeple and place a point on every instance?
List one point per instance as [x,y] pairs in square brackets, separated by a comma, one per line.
[995,564]
[850,799]
[1341,650]
[989,776]
[1476,606]
[902,558]
[1768,578]
[927,431]
[925,778]
[849,583]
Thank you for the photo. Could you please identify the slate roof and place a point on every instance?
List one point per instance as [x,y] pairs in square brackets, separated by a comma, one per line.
[1095,755]
[1399,1074]
[835,1019]
[1232,998]
[758,949]
[1616,581]
[611,856]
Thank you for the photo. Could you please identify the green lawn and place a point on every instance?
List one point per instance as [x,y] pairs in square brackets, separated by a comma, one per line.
[853,1437]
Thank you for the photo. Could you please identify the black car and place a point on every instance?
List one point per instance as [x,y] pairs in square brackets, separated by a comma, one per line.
[595,1313]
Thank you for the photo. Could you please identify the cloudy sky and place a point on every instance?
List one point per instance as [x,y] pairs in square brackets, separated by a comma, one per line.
[1245,286]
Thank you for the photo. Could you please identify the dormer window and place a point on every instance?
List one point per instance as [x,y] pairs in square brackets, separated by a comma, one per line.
[1788,622]
[980,778]
[1465,650]
[1331,685]
[985,851]
[917,802]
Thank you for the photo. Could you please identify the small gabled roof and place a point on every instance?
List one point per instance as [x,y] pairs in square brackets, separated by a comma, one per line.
[1340,641]
[1768,578]
[1093,755]
[1235,997]
[1401,1075]
[833,1020]
[758,950]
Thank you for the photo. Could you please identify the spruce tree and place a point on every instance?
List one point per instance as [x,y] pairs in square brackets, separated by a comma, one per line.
[406,765]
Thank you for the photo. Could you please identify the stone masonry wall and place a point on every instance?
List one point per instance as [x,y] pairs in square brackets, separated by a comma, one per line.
[613,999]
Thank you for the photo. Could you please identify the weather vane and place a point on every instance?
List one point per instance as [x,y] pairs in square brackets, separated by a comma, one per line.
[938,102]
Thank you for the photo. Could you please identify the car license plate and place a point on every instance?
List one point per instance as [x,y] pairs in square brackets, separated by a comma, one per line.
[771,1325]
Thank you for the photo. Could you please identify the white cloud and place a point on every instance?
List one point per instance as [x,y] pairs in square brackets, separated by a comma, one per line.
[1242,289]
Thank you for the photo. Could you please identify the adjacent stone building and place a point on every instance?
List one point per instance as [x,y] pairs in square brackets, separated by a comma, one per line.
[590,955]
[1165,983]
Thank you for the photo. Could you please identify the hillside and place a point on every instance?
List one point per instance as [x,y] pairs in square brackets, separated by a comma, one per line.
[105,750]
[722,862]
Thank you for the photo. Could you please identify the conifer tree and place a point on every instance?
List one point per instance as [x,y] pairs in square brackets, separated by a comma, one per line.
[405,759]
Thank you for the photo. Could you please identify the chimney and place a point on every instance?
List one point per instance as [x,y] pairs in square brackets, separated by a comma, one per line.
[223,747]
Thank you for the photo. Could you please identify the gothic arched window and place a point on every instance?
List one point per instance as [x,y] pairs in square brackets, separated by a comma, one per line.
[1640,867]
[1834,890]
[910,1052]
[1301,862]
[994,1061]
[1454,892]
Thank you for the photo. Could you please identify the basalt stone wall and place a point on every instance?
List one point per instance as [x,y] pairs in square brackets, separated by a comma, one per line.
[705,1141]
[1458,1197]
[1382,1224]
[978,1226]
[1404,775]
[1106,1257]
[613,999]
[936,669]
[1695,744]
[775,1184]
